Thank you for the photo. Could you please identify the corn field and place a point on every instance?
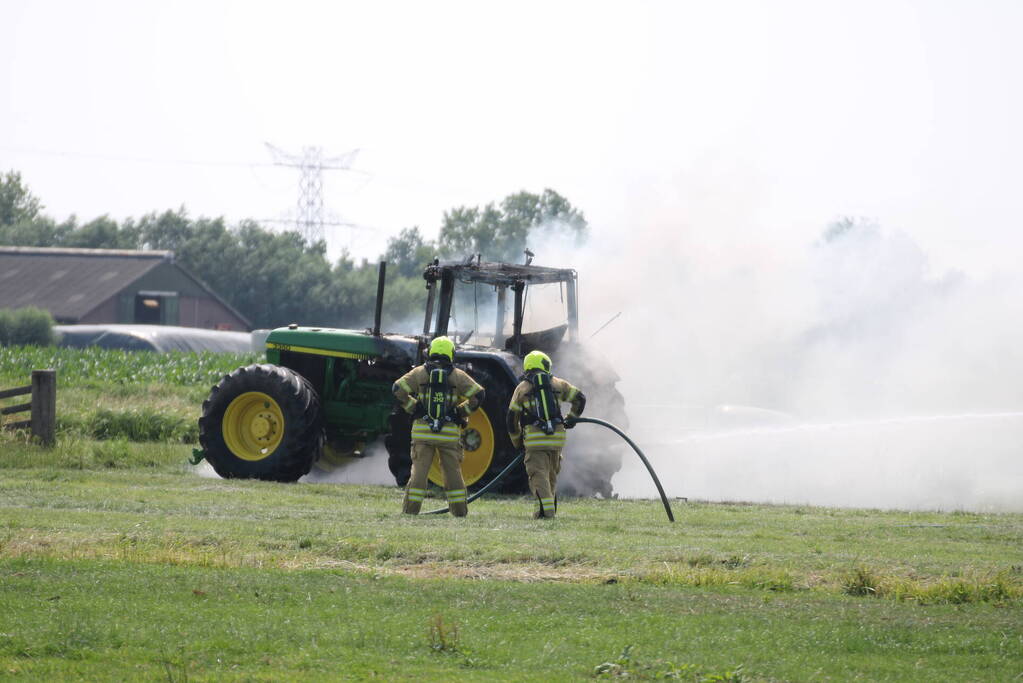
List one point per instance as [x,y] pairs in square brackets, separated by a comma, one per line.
[82,366]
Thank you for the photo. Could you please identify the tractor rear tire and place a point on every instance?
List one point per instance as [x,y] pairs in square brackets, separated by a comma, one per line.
[262,422]
[592,457]
[495,408]
[399,446]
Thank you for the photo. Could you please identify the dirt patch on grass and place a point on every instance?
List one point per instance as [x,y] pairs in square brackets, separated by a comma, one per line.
[525,573]
[505,572]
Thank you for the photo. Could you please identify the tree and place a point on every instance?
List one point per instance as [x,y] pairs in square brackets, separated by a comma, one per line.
[100,233]
[501,233]
[17,204]
[277,278]
[170,230]
[408,253]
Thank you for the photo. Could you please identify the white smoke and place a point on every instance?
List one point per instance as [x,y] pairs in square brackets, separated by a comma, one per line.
[842,371]
[855,374]
[370,469]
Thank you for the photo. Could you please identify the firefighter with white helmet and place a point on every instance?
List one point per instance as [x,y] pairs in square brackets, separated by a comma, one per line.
[535,421]
[441,397]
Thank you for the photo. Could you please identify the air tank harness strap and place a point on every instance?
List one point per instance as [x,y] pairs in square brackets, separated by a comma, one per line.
[546,407]
[437,400]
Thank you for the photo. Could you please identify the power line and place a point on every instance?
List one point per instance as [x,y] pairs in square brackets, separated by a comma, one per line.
[311,228]
[311,163]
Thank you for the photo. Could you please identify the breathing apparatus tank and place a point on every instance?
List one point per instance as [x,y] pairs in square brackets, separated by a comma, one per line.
[546,407]
[437,400]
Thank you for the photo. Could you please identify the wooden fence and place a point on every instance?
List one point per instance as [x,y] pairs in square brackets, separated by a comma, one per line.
[42,406]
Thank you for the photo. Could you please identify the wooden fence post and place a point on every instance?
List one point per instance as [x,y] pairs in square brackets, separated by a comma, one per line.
[44,405]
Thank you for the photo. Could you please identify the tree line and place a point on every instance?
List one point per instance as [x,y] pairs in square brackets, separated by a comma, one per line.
[274,278]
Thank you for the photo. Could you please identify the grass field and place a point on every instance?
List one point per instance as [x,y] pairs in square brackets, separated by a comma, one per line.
[119,561]
[109,394]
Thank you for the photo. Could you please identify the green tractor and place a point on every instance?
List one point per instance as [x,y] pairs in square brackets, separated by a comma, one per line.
[324,395]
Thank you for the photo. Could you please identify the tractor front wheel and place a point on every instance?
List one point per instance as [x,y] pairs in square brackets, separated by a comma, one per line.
[262,422]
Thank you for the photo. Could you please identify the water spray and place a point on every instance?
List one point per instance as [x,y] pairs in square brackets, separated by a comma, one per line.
[577,420]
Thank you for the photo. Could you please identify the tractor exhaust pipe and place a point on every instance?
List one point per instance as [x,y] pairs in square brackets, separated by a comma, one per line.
[381,277]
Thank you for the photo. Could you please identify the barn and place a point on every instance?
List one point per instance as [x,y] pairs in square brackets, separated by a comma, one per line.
[80,286]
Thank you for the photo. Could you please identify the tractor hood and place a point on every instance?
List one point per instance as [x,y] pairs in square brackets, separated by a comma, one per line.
[356,344]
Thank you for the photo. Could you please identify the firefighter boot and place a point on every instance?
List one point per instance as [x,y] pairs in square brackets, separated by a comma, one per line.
[548,507]
[415,490]
[538,468]
[413,502]
[457,504]
[454,485]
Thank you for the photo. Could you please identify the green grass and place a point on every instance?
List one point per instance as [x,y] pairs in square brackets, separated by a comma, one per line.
[119,561]
[112,619]
[142,568]
[131,395]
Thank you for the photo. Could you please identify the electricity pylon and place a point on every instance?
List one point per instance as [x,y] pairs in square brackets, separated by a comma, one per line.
[311,163]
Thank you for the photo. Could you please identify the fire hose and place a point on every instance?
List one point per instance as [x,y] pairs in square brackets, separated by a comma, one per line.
[593,420]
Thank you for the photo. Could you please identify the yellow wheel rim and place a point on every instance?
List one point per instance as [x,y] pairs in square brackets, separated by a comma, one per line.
[253,426]
[478,448]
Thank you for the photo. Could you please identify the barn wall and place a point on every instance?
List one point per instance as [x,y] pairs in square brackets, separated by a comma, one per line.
[102,314]
[195,306]
[208,313]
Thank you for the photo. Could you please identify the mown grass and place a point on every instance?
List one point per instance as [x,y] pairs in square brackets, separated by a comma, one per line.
[127,563]
[116,619]
[120,561]
[189,520]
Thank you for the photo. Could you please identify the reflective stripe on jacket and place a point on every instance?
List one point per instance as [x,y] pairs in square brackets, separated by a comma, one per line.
[522,405]
[535,438]
[449,433]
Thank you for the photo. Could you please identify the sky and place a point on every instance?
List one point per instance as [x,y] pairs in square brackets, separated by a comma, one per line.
[770,119]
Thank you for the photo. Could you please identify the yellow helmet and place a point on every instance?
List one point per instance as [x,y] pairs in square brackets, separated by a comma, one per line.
[442,346]
[536,360]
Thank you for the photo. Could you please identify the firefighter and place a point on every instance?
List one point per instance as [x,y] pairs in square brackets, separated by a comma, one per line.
[441,397]
[535,421]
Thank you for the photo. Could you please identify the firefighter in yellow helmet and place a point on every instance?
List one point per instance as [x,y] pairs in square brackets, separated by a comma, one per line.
[535,421]
[442,397]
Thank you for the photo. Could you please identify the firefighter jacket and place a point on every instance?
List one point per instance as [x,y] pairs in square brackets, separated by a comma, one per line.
[521,408]
[464,396]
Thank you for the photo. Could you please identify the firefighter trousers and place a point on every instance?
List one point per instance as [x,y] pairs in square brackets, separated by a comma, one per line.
[450,456]
[542,468]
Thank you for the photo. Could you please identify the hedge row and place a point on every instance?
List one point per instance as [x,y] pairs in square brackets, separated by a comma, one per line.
[29,326]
